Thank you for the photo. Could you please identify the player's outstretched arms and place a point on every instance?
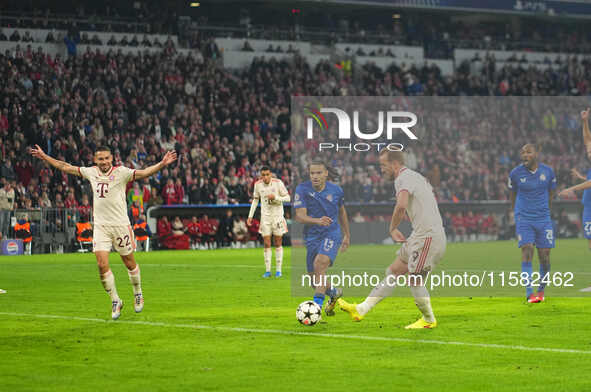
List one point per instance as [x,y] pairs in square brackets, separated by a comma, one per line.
[169,158]
[577,175]
[570,191]
[37,152]
[302,217]
[586,131]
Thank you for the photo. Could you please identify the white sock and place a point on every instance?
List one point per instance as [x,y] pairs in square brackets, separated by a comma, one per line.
[382,290]
[279,257]
[423,302]
[135,279]
[108,281]
[267,255]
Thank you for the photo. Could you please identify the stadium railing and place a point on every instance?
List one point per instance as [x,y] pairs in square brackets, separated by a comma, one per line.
[53,229]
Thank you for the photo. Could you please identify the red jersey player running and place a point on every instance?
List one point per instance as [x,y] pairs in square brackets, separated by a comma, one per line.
[111,223]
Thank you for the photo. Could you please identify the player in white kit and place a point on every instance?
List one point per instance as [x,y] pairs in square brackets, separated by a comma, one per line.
[111,223]
[272,194]
[421,252]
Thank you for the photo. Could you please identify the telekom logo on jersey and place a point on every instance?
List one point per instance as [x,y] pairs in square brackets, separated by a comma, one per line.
[392,123]
[102,188]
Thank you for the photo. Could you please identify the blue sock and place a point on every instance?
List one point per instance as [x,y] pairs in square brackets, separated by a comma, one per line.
[544,269]
[526,267]
[319,299]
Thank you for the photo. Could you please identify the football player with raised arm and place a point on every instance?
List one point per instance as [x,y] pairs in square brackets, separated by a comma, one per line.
[112,228]
[586,200]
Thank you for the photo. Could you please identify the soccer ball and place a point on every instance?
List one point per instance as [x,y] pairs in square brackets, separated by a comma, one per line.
[308,313]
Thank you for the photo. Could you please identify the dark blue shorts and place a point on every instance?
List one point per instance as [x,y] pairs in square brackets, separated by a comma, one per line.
[327,245]
[541,234]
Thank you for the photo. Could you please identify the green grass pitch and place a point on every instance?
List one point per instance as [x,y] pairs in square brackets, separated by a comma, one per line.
[212,323]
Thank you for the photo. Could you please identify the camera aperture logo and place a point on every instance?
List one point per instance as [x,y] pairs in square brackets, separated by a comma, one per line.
[388,122]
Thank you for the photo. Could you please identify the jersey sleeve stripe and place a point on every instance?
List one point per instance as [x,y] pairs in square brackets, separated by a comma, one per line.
[402,190]
[133,177]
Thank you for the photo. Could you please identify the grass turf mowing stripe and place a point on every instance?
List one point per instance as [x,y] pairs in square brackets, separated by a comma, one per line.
[312,334]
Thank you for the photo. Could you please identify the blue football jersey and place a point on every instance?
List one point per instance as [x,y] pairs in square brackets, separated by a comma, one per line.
[533,192]
[318,204]
[586,200]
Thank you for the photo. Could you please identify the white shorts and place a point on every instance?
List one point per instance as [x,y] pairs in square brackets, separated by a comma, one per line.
[422,254]
[120,238]
[275,226]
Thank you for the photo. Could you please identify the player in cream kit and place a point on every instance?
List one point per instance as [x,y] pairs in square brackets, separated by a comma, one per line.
[271,192]
[423,249]
[112,228]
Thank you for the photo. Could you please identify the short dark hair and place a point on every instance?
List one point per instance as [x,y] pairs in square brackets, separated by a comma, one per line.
[537,147]
[103,148]
[264,168]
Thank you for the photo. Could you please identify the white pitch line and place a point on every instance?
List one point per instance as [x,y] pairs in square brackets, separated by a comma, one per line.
[311,334]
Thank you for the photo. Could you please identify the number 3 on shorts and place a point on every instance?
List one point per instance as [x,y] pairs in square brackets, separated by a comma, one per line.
[328,244]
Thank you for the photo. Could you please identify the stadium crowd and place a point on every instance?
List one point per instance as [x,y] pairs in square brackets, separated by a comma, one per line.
[225,124]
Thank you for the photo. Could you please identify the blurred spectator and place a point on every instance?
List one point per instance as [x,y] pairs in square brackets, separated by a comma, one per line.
[459,227]
[221,193]
[169,193]
[177,226]
[172,236]
[194,233]
[136,194]
[180,191]
[7,170]
[163,229]
[566,228]
[142,233]
[225,230]
[471,224]
[71,201]
[448,226]
[240,232]
[85,208]
[358,218]
[208,228]
[135,210]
